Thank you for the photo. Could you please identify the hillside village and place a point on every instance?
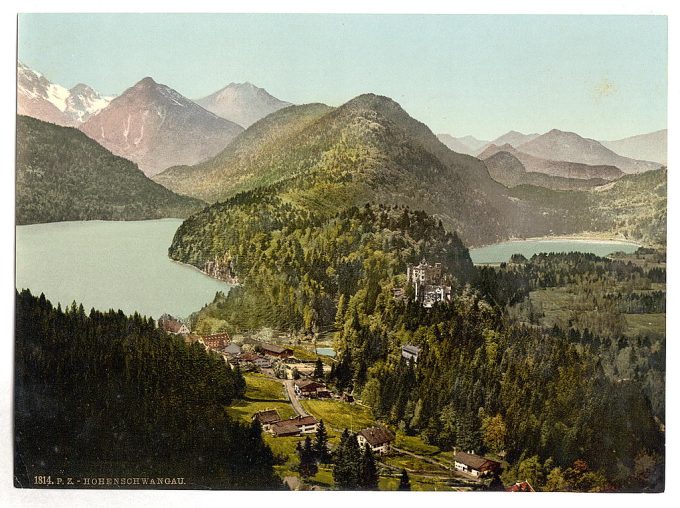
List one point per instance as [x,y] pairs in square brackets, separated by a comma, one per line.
[298,405]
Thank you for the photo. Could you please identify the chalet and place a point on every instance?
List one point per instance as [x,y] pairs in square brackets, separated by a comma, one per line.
[255,359]
[295,426]
[277,351]
[267,418]
[232,349]
[524,486]
[378,438]
[474,465]
[217,340]
[311,389]
[284,428]
[410,352]
[171,325]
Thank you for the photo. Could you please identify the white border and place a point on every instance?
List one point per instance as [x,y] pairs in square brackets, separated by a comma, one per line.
[35,498]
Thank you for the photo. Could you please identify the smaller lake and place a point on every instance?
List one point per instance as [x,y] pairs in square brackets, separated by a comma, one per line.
[501,252]
[325,351]
[119,265]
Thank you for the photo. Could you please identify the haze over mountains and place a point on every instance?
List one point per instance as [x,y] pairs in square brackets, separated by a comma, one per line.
[650,147]
[559,168]
[157,127]
[38,97]
[242,103]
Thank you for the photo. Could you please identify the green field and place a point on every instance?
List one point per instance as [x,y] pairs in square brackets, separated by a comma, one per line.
[650,325]
[338,415]
[259,386]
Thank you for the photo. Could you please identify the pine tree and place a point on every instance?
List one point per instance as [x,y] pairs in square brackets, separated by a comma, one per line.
[347,462]
[321,444]
[307,457]
[404,481]
[368,478]
[318,369]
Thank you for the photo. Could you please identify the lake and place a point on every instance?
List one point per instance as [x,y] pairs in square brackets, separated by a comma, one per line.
[501,252]
[120,265]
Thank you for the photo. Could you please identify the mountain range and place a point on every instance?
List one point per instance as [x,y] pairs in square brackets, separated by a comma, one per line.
[558,168]
[242,103]
[63,175]
[570,147]
[157,127]
[506,168]
[38,97]
[651,147]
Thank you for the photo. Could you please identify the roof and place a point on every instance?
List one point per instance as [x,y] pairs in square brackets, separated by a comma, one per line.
[473,461]
[217,336]
[171,325]
[267,416]
[232,348]
[524,486]
[285,428]
[377,436]
[308,384]
[303,420]
[408,348]
[273,348]
[249,357]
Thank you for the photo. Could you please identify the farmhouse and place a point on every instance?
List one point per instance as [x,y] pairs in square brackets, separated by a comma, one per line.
[295,426]
[410,352]
[267,418]
[475,465]
[311,389]
[217,340]
[171,325]
[378,438]
[276,351]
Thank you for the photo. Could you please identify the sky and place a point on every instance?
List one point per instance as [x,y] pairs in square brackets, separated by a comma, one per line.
[604,77]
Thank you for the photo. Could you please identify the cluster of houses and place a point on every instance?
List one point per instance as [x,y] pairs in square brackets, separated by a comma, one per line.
[272,423]
[431,283]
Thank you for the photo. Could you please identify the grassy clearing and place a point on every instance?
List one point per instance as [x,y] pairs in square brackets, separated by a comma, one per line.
[414,464]
[259,386]
[244,410]
[414,444]
[650,325]
[339,415]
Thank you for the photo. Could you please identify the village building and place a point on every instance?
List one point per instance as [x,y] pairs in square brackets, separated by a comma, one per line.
[295,426]
[171,325]
[431,284]
[254,360]
[475,465]
[311,389]
[276,351]
[217,341]
[378,438]
[267,418]
[524,486]
[232,349]
[410,352]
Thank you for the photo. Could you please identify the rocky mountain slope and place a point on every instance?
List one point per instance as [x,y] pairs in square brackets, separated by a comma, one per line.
[242,103]
[156,127]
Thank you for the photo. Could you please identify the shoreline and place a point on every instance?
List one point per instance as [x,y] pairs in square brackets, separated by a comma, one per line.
[580,237]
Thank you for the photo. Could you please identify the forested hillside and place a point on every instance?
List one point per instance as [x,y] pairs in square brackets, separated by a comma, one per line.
[63,175]
[297,268]
[107,395]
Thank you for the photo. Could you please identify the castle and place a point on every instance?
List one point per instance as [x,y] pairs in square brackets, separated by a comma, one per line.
[431,283]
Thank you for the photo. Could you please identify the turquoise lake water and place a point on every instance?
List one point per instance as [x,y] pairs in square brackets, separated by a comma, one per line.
[124,265]
[501,252]
[119,265]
